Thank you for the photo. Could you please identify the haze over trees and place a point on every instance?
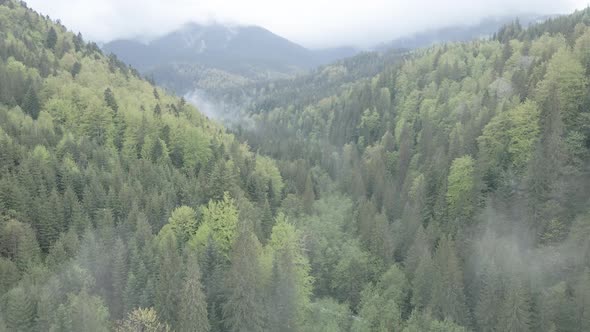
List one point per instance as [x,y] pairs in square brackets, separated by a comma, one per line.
[442,190]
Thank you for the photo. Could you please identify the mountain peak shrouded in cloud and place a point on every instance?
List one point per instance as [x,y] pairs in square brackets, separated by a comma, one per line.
[314,24]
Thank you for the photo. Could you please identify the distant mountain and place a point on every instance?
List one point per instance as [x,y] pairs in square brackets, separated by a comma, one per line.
[457,33]
[187,58]
[215,56]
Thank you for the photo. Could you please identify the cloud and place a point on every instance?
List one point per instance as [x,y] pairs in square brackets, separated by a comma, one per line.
[313,23]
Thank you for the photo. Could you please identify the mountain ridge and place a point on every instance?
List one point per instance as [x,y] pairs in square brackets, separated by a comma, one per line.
[251,52]
[485,28]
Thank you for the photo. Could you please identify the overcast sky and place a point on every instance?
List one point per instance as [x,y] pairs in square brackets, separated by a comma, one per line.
[312,23]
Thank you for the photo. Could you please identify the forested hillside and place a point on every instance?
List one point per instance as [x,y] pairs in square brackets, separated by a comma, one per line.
[467,168]
[443,191]
[122,206]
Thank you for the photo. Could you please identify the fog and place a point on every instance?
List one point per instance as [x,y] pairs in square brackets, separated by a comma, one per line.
[505,247]
[230,115]
[312,23]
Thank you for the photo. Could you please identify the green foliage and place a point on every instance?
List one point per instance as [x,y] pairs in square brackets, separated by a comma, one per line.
[184,222]
[269,174]
[422,283]
[425,323]
[219,220]
[142,320]
[566,72]
[9,275]
[352,272]
[19,310]
[20,244]
[291,281]
[110,100]
[382,303]
[448,298]
[31,103]
[328,315]
[508,140]
[84,312]
[169,277]
[373,189]
[515,312]
[51,39]
[461,188]
[193,304]
[243,310]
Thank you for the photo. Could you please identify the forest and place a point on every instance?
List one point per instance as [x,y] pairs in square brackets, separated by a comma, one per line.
[439,189]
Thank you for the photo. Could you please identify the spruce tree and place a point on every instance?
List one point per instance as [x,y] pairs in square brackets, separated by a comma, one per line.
[31,104]
[192,315]
[9,275]
[516,309]
[423,282]
[51,39]
[448,299]
[119,278]
[19,310]
[76,68]
[243,310]
[109,98]
[308,195]
[489,301]
[283,300]
[168,278]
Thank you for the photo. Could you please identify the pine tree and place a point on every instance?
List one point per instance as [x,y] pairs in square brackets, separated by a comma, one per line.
[266,222]
[9,275]
[31,104]
[86,312]
[78,41]
[415,253]
[119,278]
[192,315]
[76,68]
[243,309]
[213,267]
[19,310]
[423,281]
[169,278]
[51,39]
[516,309]
[489,301]
[448,299]
[109,98]
[283,300]
[158,110]
[308,197]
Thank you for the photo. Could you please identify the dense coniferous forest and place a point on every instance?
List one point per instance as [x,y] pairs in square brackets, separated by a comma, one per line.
[445,189]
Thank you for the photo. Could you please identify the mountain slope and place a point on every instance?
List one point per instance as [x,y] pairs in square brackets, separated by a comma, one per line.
[443,192]
[119,203]
[468,164]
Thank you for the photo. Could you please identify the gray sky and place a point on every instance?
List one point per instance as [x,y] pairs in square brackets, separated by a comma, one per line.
[312,23]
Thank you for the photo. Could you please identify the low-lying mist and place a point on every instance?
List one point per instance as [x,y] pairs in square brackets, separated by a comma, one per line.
[228,114]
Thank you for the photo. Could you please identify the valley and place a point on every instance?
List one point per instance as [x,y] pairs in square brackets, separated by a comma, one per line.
[219,179]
